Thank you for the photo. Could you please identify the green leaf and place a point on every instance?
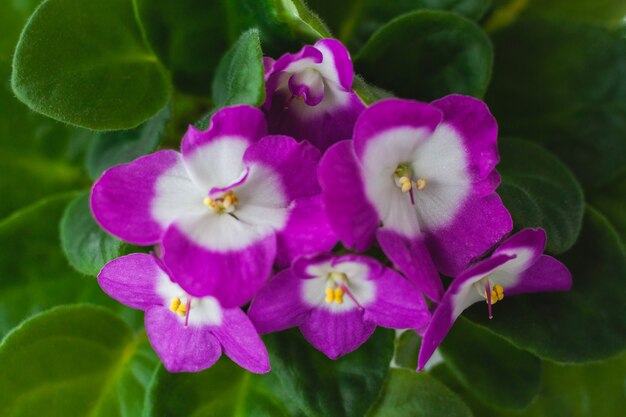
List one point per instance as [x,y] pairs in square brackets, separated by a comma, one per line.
[354,21]
[610,201]
[240,76]
[491,368]
[189,36]
[446,54]
[321,387]
[34,274]
[407,349]
[74,361]
[585,324]
[85,244]
[113,148]
[408,393]
[223,390]
[564,84]
[540,191]
[609,12]
[370,94]
[86,63]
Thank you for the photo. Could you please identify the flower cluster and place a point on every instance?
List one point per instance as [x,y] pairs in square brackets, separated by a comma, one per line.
[252,209]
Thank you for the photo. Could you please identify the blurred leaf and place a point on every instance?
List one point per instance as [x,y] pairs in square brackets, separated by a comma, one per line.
[189,36]
[240,76]
[354,21]
[370,94]
[87,64]
[408,393]
[585,324]
[34,274]
[74,361]
[113,148]
[446,54]
[223,390]
[491,368]
[407,348]
[13,15]
[284,25]
[85,244]
[540,191]
[610,12]
[321,387]
[611,201]
[564,84]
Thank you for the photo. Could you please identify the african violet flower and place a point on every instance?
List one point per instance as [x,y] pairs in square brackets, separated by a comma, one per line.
[515,267]
[420,178]
[309,94]
[187,333]
[337,301]
[224,209]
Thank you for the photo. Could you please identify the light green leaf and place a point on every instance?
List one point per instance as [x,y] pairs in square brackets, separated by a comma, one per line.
[86,63]
[408,393]
[585,324]
[563,84]
[320,387]
[85,244]
[540,191]
[446,54]
[34,273]
[113,148]
[240,76]
[223,390]
[74,361]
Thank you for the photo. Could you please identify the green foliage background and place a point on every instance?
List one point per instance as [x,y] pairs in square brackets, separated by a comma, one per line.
[85,85]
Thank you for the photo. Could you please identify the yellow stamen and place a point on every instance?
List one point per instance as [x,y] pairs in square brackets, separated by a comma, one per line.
[175,304]
[182,310]
[405,184]
[208,201]
[228,201]
[420,184]
[499,292]
[330,295]
[339,295]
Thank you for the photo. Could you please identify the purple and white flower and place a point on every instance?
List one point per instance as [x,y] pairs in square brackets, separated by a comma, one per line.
[309,94]
[337,301]
[224,210]
[188,333]
[515,267]
[421,179]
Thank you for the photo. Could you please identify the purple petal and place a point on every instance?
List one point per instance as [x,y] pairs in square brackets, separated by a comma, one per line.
[295,162]
[348,210]
[241,342]
[300,267]
[336,60]
[335,334]
[121,199]
[307,231]
[278,305]
[243,121]
[182,349]
[478,129]
[547,274]
[268,65]
[232,276]
[398,304]
[527,246]
[411,256]
[132,280]
[392,114]
[308,53]
[309,85]
[479,225]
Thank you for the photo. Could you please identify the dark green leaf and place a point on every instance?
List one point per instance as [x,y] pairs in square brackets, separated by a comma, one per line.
[34,273]
[85,244]
[407,348]
[564,84]
[321,387]
[354,21]
[240,76]
[113,148]
[86,63]
[221,391]
[609,12]
[585,324]
[540,191]
[74,361]
[610,200]
[408,393]
[427,55]
[189,37]
[491,368]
